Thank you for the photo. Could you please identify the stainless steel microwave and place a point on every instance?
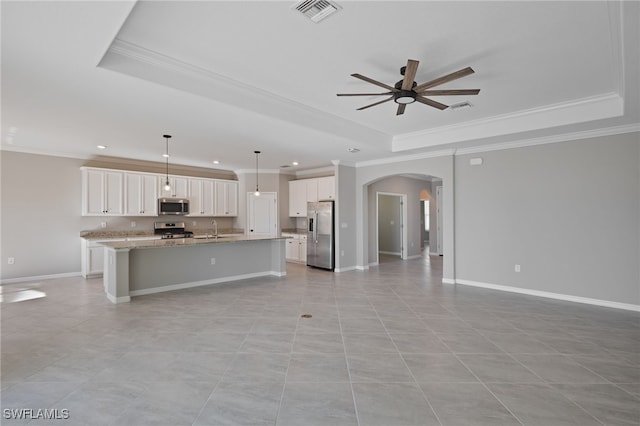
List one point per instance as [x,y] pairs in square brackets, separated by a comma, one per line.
[174,206]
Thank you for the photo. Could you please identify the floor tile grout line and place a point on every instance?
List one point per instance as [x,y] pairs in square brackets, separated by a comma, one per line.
[404,362]
[346,359]
[286,373]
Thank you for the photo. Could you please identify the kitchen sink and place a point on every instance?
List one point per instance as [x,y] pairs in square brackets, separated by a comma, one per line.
[209,237]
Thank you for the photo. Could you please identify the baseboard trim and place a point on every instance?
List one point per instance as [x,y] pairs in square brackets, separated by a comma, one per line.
[40,278]
[550,295]
[116,300]
[192,284]
[448,281]
[349,268]
[415,256]
[391,253]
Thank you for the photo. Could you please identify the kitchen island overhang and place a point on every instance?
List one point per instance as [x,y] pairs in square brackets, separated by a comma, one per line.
[134,268]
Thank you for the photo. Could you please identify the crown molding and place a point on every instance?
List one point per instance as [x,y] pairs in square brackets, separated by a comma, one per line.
[563,137]
[409,157]
[577,111]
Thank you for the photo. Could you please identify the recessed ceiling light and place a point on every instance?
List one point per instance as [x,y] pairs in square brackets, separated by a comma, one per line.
[102,147]
[353,150]
[295,163]
[165,155]
[216,162]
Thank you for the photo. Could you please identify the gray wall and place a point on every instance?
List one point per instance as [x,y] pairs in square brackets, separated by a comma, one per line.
[568,213]
[346,219]
[397,185]
[41,222]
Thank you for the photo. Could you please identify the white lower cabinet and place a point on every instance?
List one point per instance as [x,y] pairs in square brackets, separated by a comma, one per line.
[296,248]
[92,256]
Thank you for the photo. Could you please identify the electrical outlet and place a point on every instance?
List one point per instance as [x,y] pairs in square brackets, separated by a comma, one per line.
[194,223]
[11,260]
[517,268]
[103,224]
[213,260]
[133,223]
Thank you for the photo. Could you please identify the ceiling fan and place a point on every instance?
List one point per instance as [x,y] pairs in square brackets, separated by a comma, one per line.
[407,91]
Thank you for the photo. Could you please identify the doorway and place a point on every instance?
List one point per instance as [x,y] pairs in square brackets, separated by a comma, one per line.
[392,217]
[262,217]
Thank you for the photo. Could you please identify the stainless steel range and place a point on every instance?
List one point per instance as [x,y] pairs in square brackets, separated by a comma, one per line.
[171,230]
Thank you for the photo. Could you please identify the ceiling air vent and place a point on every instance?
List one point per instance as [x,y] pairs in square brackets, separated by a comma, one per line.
[316,10]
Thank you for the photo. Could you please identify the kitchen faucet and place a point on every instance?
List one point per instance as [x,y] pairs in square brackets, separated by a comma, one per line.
[215,228]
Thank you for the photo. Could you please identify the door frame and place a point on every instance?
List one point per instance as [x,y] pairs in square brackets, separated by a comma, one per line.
[403,228]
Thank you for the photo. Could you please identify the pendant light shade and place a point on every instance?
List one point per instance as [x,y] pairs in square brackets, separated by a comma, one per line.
[257,193]
[167,185]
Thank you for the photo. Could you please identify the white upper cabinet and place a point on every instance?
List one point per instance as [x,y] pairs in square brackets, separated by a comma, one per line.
[327,188]
[298,198]
[102,192]
[201,197]
[179,187]
[141,194]
[126,193]
[226,198]
[302,191]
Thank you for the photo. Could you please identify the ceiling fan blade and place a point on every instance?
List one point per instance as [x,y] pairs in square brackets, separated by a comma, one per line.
[377,103]
[450,92]
[409,74]
[431,103]
[364,94]
[401,108]
[444,79]
[377,83]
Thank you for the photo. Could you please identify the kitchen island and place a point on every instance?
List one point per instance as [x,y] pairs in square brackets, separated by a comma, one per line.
[134,268]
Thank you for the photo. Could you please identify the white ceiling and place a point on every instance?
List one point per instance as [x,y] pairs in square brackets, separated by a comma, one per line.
[227,78]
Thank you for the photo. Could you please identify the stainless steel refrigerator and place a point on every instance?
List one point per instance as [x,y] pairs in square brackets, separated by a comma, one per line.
[320,235]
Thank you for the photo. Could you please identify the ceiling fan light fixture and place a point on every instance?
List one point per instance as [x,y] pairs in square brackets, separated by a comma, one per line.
[405,97]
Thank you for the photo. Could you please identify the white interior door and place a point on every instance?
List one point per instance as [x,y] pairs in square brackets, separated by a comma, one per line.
[262,217]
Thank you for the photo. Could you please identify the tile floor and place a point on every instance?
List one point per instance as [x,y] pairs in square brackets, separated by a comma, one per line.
[389,346]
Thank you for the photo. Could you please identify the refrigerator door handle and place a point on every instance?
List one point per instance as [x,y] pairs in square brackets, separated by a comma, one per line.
[315,229]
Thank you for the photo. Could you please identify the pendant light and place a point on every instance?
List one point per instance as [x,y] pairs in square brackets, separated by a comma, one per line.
[257,193]
[167,185]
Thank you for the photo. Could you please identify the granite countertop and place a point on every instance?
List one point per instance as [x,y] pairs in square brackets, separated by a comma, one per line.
[105,235]
[173,242]
[294,231]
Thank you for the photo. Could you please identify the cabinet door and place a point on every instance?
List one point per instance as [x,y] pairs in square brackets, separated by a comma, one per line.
[133,194]
[208,198]
[302,254]
[179,187]
[226,194]
[232,199]
[196,208]
[327,188]
[114,202]
[298,198]
[149,200]
[291,249]
[312,191]
[93,185]
[141,194]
